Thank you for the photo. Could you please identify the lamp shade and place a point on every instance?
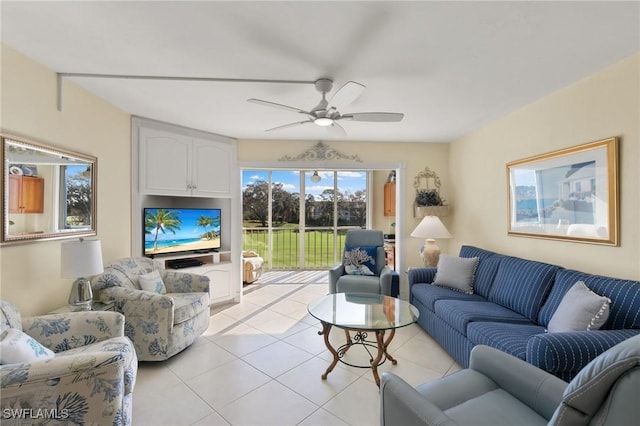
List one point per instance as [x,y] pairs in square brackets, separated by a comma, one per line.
[81,258]
[431,227]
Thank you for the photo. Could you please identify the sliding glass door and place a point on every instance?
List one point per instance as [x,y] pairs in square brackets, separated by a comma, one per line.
[331,202]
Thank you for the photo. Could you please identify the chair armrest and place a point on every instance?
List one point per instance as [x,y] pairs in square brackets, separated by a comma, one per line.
[335,273]
[70,374]
[540,390]
[65,331]
[564,354]
[422,275]
[184,282]
[401,404]
[385,281]
[142,308]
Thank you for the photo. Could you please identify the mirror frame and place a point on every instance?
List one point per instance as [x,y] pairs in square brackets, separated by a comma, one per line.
[7,238]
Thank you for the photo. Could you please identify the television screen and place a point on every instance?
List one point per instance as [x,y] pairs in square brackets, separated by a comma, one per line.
[176,230]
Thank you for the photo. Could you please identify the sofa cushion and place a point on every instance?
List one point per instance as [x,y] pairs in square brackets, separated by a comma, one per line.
[429,294]
[580,309]
[509,338]
[459,313]
[522,285]
[624,295]
[456,273]
[486,270]
[188,305]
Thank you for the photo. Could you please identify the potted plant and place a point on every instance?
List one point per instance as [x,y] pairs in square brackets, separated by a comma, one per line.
[429,203]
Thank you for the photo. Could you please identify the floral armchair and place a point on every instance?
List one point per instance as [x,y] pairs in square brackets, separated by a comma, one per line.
[160,321]
[74,368]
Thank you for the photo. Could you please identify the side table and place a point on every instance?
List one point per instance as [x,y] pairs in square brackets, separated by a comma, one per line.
[95,306]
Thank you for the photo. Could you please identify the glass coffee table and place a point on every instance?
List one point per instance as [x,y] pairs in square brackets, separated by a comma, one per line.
[362,314]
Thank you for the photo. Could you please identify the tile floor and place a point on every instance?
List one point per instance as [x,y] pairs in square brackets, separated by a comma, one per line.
[260,363]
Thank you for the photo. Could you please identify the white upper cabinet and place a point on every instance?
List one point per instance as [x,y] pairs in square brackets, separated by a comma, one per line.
[211,169]
[181,165]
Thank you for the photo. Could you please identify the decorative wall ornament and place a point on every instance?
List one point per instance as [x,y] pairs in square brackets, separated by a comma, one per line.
[321,151]
[428,201]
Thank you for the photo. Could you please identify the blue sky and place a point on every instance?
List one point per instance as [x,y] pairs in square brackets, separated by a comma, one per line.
[351,181]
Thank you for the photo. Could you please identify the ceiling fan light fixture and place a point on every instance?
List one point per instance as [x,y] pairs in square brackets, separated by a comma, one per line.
[315,177]
[323,121]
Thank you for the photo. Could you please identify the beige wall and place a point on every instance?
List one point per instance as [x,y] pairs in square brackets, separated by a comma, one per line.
[603,105]
[30,273]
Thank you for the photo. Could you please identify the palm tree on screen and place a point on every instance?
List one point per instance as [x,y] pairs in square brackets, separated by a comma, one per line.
[204,221]
[161,221]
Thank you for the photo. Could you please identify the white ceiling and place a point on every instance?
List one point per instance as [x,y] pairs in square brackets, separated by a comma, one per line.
[450,67]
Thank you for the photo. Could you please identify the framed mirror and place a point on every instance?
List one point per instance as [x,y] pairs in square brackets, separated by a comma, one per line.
[47,192]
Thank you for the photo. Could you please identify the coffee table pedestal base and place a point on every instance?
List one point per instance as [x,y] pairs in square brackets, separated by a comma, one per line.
[380,345]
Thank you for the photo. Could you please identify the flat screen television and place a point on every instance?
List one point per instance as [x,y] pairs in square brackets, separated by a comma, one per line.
[180,230]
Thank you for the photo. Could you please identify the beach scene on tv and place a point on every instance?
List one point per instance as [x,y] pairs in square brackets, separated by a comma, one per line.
[173,230]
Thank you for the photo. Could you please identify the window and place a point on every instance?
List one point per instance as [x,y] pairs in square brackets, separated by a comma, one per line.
[75,197]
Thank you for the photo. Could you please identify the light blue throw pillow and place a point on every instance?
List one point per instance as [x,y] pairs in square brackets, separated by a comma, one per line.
[152,282]
[360,260]
[18,347]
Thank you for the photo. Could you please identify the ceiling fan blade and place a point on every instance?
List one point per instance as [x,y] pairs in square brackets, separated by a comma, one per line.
[347,94]
[289,125]
[336,130]
[380,117]
[275,105]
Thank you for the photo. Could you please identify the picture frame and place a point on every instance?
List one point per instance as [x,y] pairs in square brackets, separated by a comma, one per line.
[570,194]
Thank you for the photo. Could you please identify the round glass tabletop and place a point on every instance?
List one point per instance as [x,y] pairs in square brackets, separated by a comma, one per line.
[362,311]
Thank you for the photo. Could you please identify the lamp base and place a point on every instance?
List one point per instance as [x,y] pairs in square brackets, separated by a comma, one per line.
[81,294]
[430,253]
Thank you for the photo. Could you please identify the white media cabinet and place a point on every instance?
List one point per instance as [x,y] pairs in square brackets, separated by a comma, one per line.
[177,167]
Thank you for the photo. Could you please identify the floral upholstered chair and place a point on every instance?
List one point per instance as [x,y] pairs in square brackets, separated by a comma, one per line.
[165,311]
[72,368]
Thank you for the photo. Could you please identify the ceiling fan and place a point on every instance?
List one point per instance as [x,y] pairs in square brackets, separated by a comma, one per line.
[327,114]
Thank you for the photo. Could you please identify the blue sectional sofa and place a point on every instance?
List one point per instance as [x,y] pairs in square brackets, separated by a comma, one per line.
[512,303]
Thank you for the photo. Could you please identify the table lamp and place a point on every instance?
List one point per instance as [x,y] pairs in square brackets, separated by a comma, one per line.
[430,228]
[81,259]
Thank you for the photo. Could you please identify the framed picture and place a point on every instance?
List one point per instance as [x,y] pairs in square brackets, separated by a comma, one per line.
[570,194]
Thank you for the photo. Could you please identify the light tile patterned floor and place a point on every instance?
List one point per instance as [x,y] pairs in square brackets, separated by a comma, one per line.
[260,362]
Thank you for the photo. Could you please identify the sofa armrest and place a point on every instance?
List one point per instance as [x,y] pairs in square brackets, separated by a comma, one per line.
[401,404]
[422,275]
[564,354]
[73,329]
[184,282]
[142,308]
[385,281]
[335,273]
[539,390]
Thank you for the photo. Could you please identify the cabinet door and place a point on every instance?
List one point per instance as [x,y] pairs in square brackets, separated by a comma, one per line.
[26,194]
[32,195]
[390,199]
[165,163]
[211,169]
[220,288]
[15,187]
